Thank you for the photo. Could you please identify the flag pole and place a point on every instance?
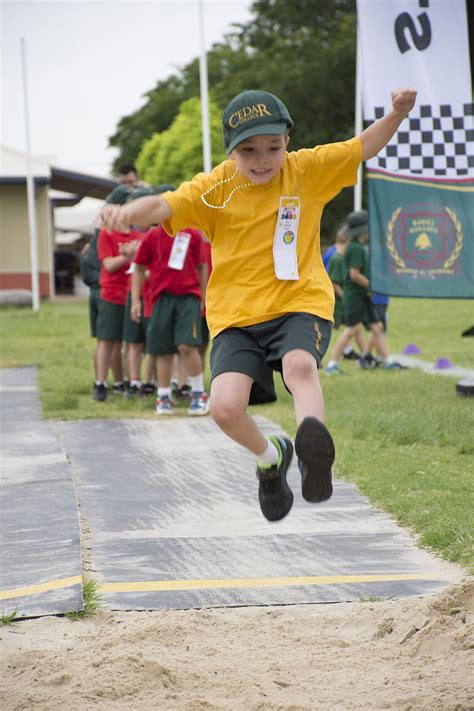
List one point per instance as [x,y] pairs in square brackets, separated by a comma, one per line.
[30,192]
[206,140]
[358,119]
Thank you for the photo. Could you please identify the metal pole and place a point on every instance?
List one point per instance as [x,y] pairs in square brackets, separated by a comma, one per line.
[30,190]
[206,135]
[358,120]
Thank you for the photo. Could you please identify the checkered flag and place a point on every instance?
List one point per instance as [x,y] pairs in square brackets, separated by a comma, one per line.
[434,141]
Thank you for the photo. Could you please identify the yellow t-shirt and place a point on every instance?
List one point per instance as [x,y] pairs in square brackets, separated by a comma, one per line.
[243,289]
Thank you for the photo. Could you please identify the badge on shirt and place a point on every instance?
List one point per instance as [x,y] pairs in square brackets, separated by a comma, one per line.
[179,251]
[284,242]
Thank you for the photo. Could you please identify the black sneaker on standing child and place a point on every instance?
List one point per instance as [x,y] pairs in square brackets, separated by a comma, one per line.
[99,392]
[315,451]
[120,388]
[148,389]
[274,494]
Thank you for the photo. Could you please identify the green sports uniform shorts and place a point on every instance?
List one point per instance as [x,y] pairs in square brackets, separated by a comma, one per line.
[175,321]
[204,331]
[133,332]
[258,350]
[110,321]
[94,293]
[361,312]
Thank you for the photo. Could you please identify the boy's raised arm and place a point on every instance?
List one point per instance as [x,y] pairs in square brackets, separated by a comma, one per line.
[142,212]
[377,135]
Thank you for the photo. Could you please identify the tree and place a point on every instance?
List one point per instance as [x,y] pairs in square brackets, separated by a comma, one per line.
[176,154]
[300,50]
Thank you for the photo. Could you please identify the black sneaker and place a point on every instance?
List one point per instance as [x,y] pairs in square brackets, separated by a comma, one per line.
[119,388]
[183,393]
[352,355]
[367,362]
[132,391]
[148,389]
[274,494]
[315,451]
[99,392]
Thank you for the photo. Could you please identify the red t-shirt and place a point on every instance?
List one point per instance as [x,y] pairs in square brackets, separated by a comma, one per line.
[154,252]
[206,259]
[113,285]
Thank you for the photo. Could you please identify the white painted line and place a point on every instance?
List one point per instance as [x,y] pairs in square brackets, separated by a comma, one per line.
[427,367]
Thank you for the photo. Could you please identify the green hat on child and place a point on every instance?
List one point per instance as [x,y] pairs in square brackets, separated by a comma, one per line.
[119,195]
[357,223]
[254,113]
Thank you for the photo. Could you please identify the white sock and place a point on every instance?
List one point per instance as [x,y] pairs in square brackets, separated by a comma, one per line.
[197,383]
[331,363]
[138,383]
[347,350]
[164,392]
[101,382]
[270,456]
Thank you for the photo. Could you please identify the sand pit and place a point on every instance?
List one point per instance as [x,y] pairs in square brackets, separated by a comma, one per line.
[411,654]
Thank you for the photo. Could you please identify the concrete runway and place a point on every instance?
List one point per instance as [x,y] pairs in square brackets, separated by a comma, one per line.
[170,519]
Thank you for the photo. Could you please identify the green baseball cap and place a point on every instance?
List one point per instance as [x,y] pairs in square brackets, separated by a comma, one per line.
[119,195]
[254,113]
[163,188]
[357,223]
[140,192]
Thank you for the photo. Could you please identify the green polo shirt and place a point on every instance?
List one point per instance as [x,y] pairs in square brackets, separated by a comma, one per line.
[356,257]
[336,269]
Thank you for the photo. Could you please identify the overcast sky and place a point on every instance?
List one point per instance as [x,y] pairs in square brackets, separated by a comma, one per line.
[89,63]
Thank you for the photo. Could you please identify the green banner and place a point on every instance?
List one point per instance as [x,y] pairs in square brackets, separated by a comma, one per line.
[421,236]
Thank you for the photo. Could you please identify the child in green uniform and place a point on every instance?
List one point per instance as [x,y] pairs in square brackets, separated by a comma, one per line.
[358,306]
[336,274]
[269,300]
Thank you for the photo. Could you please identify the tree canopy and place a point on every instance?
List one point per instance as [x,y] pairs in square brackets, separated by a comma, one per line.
[301,50]
[175,154]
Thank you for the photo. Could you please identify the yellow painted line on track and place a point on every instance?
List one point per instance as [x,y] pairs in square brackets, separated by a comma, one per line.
[162,585]
[41,587]
[175,585]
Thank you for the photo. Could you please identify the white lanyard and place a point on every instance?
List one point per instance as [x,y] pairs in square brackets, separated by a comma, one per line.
[284,243]
[179,251]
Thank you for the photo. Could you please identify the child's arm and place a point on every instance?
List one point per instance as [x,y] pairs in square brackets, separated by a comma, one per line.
[337,289]
[203,274]
[358,278]
[376,136]
[141,212]
[138,279]
[113,264]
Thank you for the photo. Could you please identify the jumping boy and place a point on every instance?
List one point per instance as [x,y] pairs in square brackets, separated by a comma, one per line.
[269,300]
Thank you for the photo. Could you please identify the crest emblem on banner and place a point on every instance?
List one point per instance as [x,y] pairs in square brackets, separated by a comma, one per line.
[424,240]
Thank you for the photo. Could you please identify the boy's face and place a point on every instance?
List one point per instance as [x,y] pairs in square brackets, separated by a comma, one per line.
[260,158]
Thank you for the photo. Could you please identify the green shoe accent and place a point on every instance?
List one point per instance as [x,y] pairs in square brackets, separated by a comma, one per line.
[275,441]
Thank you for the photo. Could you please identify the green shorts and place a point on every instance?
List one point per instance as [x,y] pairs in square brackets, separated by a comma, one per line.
[175,321]
[258,350]
[362,312]
[110,321]
[133,332]
[94,293]
[204,331]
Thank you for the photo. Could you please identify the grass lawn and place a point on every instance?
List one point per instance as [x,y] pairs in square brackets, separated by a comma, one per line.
[404,438]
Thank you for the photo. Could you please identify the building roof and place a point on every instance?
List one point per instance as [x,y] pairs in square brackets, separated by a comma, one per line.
[13,172]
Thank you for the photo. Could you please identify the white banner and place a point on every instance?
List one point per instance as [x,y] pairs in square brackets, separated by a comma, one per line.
[421,44]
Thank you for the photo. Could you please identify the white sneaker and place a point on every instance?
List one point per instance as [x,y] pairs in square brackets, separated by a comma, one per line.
[164,406]
[333,369]
[199,404]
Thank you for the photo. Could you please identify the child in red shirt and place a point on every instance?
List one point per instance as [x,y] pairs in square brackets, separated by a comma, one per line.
[177,285]
[115,251]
